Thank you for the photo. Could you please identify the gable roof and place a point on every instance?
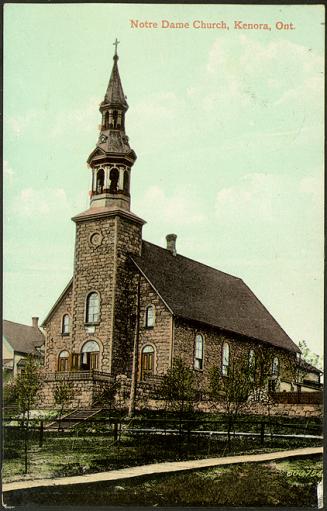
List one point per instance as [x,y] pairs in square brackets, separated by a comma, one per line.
[58,301]
[198,292]
[22,338]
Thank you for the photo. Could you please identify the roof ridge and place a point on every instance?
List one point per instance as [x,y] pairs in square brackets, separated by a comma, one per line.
[16,323]
[194,261]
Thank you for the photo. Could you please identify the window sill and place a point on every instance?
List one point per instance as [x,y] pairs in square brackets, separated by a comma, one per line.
[149,327]
[65,334]
[94,323]
[198,369]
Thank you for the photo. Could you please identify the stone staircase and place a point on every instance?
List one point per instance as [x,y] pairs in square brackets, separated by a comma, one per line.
[73,418]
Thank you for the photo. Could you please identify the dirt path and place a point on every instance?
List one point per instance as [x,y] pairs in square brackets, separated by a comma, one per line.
[160,468]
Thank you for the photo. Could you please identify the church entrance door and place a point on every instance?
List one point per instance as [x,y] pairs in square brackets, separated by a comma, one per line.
[147,363]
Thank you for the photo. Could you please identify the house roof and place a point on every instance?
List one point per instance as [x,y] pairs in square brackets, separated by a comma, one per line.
[22,338]
[198,292]
[309,367]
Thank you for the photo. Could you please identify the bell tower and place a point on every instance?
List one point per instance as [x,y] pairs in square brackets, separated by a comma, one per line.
[112,159]
[106,234]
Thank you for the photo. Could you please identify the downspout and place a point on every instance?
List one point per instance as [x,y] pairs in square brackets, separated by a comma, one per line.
[131,408]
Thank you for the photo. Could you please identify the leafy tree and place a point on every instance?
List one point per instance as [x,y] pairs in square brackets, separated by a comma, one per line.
[309,356]
[232,390]
[178,387]
[63,395]
[25,388]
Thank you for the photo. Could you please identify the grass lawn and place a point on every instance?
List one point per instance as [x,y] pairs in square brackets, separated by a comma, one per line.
[286,483]
[74,454]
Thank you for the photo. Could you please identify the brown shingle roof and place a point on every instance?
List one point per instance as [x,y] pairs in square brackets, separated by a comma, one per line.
[22,338]
[198,292]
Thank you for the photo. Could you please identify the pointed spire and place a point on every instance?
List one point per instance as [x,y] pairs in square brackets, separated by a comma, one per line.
[115,95]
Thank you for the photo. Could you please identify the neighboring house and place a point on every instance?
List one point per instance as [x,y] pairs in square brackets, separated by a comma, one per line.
[309,377]
[19,341]
[131,303]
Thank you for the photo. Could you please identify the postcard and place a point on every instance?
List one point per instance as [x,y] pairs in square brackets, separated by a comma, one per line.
[163,255]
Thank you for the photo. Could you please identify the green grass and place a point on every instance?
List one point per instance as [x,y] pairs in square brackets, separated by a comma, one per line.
[65,455]
[285,484]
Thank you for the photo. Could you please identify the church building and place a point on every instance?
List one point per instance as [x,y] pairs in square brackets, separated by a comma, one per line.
[132,307]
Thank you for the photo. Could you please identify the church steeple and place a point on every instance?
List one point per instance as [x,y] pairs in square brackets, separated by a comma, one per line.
[112,159]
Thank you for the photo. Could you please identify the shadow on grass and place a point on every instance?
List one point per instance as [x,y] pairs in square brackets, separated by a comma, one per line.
[242,485]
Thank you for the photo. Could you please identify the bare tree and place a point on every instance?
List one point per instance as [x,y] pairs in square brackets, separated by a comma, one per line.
[26,386]
[232,390]
[63,395]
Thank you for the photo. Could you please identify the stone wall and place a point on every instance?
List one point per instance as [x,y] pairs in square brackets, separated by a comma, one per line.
[94,271]
[160,335]
[278,409]
[55,340]
[84,394]
[184,347]
[128,241]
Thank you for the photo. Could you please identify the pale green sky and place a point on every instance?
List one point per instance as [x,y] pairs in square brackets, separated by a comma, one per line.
[227,126]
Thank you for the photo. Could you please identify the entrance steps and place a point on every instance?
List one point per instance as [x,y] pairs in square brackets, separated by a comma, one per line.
[73,418]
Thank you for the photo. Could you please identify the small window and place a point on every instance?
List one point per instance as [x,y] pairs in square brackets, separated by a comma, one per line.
[65,324]
[198,359]
[114,177]
[225,359]
[63,361]
[149,316]
[275,366]
[93,308]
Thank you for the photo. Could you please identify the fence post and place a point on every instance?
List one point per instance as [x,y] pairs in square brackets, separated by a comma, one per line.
[115,431]
[262,433]
[41,434]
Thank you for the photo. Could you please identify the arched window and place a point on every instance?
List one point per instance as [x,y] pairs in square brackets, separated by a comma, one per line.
[115,117]
[198,356]
[251,360]
[275,366]
[147,362]
[106,120]
[93,308]
[65,324]
[100,181]
[90,356]
[225,359]
[126,182]
[149,316]
[63,361]
[114,176]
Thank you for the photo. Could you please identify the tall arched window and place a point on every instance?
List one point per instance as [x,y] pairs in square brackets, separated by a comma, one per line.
[106,120]
[251,360]
[225,359]
[90,355]
[100,181]
[63,361]
[147,362]
[93,308]
[149,316]
[65,324]
[198,356]
[114,176]
[275,366]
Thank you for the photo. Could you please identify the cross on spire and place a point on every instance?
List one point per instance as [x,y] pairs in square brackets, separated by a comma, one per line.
[115,45]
